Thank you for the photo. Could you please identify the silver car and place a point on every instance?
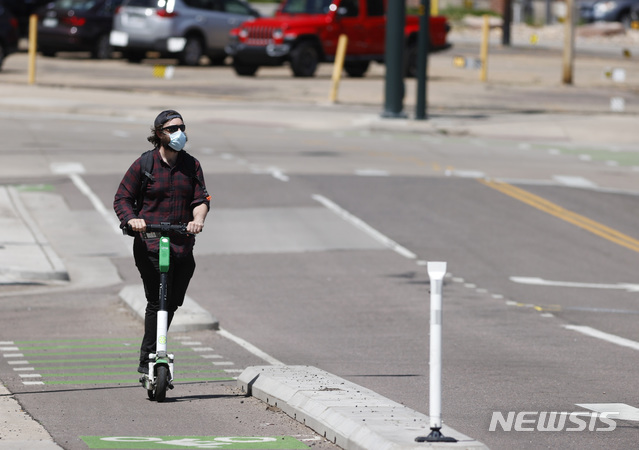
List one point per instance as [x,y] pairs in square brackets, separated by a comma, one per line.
[186,29]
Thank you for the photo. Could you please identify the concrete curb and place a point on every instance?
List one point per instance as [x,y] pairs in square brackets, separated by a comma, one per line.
[190,316]
[346,414]
[19,431]
[30,259]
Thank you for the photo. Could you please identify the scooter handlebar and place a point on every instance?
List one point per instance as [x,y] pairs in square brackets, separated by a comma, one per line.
[159,229]
[166,228]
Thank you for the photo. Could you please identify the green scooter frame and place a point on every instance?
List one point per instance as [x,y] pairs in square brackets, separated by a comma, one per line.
[160,376]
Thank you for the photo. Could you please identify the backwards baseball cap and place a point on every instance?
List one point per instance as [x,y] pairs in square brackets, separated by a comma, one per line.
[165,116]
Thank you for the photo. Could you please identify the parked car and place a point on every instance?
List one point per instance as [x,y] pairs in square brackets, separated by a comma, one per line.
[304,33]
[608,11]
[22,9]
[8,33]
[76,26]
[186,29]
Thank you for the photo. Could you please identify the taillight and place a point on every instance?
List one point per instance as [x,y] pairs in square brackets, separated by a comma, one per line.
[117,10]
[74,21]
[13,22]
[164,13]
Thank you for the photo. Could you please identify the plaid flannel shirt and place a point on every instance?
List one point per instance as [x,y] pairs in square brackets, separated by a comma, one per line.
[170,197]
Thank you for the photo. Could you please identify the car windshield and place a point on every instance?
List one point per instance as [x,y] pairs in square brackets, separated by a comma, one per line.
[80,5]
[148,3]
[306,6]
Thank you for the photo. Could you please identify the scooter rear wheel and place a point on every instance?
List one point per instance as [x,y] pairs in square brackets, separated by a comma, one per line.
[162,382]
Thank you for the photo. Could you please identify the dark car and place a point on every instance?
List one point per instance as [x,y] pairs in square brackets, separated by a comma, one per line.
[22,9]
[608,11]
[8,33]
[77,26]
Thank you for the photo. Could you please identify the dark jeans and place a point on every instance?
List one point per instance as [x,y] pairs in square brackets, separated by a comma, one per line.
[180,273]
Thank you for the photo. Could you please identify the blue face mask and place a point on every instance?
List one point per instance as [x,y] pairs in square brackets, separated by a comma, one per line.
[178,140]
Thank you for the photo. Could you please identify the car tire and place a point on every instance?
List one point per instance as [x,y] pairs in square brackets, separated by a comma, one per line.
[48,53]
[2,55]
[193,51]
[245,69]
[356,69]
[102,48]
[304,60]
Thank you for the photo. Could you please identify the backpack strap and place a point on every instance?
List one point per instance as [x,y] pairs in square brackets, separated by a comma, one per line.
[146,169]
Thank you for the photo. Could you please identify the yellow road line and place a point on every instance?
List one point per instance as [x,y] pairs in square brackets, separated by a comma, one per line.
[564,214]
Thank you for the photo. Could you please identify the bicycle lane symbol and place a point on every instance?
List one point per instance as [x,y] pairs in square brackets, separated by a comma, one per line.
[193,442]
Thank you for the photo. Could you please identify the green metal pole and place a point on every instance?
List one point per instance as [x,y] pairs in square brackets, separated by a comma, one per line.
[394,58]
[422,60]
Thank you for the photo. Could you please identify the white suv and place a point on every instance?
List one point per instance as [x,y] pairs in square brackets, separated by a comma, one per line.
[186,29]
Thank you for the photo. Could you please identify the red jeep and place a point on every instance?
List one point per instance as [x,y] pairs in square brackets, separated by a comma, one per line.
[305,33]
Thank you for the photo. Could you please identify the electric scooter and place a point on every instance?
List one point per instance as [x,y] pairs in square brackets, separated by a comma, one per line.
[160,376]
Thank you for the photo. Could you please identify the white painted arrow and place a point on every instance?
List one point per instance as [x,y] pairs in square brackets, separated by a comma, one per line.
[616,411]
[541,282]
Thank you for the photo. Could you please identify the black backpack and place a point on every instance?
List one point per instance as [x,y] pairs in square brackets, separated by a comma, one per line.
[146,169]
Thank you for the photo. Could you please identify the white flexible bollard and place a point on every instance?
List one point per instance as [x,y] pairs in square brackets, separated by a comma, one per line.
[436,273]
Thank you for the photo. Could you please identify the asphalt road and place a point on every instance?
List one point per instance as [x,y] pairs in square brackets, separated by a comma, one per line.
[536,260]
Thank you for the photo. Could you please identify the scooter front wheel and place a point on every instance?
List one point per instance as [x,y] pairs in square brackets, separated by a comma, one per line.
[161,383]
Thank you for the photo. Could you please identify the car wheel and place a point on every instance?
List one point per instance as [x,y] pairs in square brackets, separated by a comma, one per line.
[356,69]
[244,69]
[193,51]
[304,60]
[48,53]
[2,55]
[102,48]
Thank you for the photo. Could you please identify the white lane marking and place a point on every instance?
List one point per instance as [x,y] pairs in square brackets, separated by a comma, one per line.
[202,349]
[18,362]
[13,355]
[613,339]
[9,349]
[6,343]
[223,363]
[250,347]
[17,369]
[95,200]
[277,173]
[67,168]
[572,181]
[364,227]
[371,173]
[541,282]
[468,174]
[30,375]
[32,383]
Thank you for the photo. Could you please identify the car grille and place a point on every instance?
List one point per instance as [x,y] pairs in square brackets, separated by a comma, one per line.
[259,35]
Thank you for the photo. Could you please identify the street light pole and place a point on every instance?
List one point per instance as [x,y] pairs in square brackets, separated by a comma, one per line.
[422,60]
[394,58]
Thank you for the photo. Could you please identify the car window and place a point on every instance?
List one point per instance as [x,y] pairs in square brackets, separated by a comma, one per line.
[75,4]
[110,6]
[236,7]
[306,6]
[145,3]
[375,7]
